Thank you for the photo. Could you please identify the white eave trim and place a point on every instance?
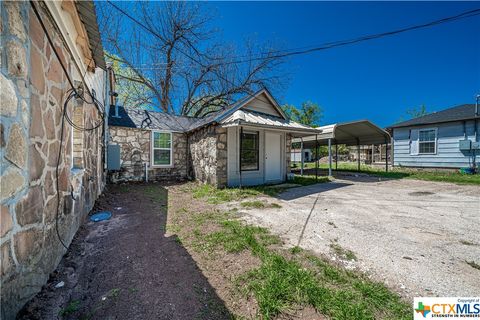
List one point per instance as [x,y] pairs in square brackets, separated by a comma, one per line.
[58,15]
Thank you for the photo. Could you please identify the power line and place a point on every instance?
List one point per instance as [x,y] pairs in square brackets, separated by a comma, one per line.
[330,45]
[313,48]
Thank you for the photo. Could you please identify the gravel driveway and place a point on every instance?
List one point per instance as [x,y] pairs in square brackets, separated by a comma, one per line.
[416,236]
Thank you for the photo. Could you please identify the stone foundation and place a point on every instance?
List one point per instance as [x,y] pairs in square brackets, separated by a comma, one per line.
[33,88]
[135,153]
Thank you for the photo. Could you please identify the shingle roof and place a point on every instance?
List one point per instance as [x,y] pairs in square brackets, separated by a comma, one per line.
[461,112]
[143,119]
[139,118]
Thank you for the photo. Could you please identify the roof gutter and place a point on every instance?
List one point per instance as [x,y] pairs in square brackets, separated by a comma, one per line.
[297,130]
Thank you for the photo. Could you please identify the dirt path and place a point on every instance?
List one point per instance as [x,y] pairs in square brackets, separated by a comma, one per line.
[127,268]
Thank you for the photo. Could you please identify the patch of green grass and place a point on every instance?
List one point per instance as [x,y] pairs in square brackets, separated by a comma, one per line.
[70,308]
[342,252]
[307,180]
[236,237]
[473,264]
[215,196]
[257,204]
[281,285]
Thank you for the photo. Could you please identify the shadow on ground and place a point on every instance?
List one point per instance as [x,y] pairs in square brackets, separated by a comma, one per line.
[299,192]
[127,268]
[361,176]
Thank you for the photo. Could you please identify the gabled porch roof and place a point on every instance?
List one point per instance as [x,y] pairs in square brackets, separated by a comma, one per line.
[256,119]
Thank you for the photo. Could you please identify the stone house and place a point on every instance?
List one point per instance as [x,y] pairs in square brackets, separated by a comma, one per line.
[248,143]
[41,163]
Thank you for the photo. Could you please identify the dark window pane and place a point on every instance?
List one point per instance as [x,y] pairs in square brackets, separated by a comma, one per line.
[427,147]
[427,135]
[161,157]
[249,148]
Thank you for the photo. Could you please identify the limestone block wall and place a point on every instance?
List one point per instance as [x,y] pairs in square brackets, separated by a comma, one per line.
[33,88]
[135,151]
[208,154]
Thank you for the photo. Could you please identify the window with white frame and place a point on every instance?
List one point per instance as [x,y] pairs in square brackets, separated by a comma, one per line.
[427,141]
[162,148]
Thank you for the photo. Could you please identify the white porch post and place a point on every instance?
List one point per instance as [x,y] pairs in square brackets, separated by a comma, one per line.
[301,156]
[329,157]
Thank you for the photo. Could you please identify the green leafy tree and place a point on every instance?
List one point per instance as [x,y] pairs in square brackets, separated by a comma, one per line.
[132,92]
[414,112]
[309,113]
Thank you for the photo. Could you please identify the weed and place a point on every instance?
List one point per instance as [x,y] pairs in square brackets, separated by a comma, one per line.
[343,253]
[467,243]
[114,293]
[473,264]
[70,308]
[253,204]
[332,224]
[295,250]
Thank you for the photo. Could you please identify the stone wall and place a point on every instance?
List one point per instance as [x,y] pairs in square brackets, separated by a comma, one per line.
[208,155]
[33,88]
[135,152]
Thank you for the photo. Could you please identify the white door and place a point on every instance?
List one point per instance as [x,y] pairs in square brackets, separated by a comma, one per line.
[273,157]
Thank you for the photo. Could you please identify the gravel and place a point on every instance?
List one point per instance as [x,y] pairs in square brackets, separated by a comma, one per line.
[415,236]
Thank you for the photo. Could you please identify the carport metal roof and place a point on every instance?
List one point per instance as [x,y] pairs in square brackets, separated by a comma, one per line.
[362,132]
[355,133]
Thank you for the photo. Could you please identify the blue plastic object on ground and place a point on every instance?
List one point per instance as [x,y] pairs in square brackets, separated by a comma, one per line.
[467,170]
[100,216]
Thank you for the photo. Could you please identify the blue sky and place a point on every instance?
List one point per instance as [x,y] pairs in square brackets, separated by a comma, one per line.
[376,80]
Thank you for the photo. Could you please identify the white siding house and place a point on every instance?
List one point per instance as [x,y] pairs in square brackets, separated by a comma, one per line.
[445,139]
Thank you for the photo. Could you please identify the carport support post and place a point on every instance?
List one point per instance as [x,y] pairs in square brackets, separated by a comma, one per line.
[358,155]
[316,157]
[336,156]
[386,155]
[302,159]
[329,157]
